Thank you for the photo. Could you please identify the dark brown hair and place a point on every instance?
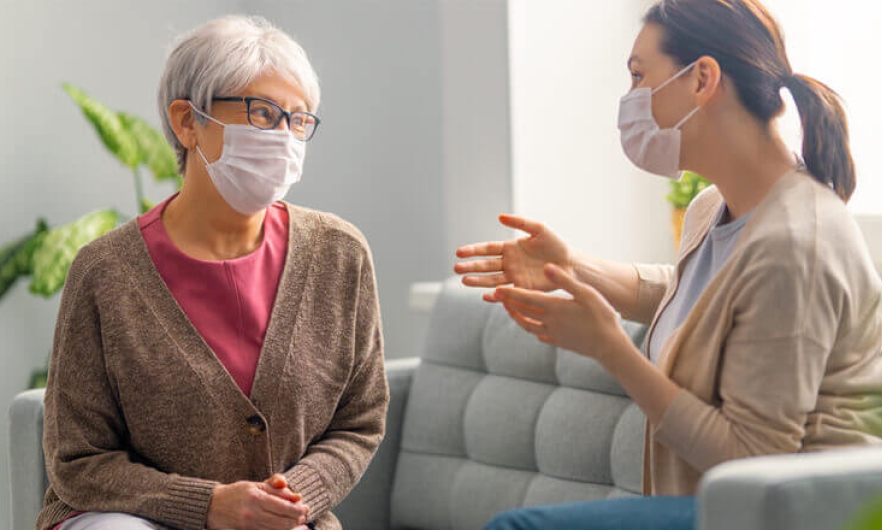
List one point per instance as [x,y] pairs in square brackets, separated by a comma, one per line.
[748,45]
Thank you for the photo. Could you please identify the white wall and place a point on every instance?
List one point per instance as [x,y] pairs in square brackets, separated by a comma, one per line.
[394,154]
[841,63]
[567,74]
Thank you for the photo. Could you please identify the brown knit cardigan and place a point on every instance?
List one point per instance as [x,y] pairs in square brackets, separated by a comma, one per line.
[142,418]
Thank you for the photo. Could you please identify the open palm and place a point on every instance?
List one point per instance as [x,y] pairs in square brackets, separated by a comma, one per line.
[518,261]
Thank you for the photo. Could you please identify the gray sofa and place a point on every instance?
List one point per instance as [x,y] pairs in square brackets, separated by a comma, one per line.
[489,419]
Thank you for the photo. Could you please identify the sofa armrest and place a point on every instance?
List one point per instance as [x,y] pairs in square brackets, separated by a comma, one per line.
[803,491]
[368,506]
[27,470]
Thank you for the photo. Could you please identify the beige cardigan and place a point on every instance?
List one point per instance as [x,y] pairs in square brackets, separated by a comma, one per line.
[783,350]
[142,418]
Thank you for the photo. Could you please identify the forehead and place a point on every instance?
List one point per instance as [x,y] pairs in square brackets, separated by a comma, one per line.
[647,45]
[279,88]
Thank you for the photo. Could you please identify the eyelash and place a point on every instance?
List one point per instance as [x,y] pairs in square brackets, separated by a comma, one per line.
[636,76]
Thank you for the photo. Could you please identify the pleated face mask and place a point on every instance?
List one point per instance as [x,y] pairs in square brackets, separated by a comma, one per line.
[257,167]
[647,145]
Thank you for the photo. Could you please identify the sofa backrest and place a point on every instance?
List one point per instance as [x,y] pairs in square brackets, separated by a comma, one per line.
[497,420]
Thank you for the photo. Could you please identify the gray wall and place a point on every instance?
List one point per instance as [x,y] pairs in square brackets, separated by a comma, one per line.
[414,132]
[51,164]
[414,113]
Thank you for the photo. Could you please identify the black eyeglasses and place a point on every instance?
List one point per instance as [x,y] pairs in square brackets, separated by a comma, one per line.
[264,114]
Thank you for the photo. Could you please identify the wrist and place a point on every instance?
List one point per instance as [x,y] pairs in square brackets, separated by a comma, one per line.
[619,347]
[211,520]
[585,269]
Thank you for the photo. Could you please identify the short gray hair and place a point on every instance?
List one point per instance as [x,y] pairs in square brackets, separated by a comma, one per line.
[221,58]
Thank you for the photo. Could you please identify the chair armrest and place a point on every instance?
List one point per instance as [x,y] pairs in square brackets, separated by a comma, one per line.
[803,491]
[368,506]
[27,470]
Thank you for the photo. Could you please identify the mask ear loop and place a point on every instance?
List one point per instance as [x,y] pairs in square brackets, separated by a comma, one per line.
[204,115]
[671,80]
[681,122]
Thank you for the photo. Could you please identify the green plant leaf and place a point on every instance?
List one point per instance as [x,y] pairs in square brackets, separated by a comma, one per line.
[154,149]
[39,378]
[16,259]
[11,249]
[147,205]
[869,518]
[111,129]
[60,245]
[686,189]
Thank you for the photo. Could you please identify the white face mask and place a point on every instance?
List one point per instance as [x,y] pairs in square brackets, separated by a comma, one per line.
[256,167]
[647,145]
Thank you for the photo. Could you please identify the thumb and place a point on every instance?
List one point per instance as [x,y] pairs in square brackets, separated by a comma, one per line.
[564,280]
[277,481]
[533,228]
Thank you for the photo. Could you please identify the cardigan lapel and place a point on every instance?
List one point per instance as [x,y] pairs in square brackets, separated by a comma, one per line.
[671,348]
[169,314]
[690,242]
[276,349]
[199,355]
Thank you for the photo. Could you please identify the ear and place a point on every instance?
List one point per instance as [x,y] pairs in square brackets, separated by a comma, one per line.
[183,122]
[709,75]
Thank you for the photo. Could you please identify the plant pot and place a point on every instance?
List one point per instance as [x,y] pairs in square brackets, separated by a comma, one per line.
[677,216]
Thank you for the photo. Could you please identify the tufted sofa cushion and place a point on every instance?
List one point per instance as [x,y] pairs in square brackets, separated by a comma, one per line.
[497,420]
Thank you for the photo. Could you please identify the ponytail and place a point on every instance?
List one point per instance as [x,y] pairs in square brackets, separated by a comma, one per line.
[824,134]
[748,44]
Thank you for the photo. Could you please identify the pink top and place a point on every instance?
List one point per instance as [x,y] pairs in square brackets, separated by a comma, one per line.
[229,302]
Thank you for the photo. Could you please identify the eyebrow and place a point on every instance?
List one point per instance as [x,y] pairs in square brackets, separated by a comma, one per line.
[298,108]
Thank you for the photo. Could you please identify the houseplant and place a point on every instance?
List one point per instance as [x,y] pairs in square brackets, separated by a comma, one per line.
[45,254]
[682,193]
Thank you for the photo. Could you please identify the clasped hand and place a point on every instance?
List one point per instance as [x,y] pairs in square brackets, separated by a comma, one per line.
[269,505]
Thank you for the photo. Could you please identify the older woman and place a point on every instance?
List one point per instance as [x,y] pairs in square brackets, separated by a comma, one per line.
[766,336]
[218,362]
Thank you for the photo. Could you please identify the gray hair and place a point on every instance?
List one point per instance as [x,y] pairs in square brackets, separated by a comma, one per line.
[222,57]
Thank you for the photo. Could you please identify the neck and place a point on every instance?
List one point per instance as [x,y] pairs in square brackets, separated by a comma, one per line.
[744,159]
[204,226]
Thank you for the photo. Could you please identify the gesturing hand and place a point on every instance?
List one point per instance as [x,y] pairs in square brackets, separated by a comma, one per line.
[269,505]
[585,323]
[517,261]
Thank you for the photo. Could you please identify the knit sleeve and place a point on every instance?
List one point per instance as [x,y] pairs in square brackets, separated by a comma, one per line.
[653,282]
[334,464]
[87,462]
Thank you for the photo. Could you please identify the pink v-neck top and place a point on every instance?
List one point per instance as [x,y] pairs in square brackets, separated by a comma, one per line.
[229,302]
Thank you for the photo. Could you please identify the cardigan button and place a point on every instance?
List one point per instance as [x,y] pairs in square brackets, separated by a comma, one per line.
[256,425]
